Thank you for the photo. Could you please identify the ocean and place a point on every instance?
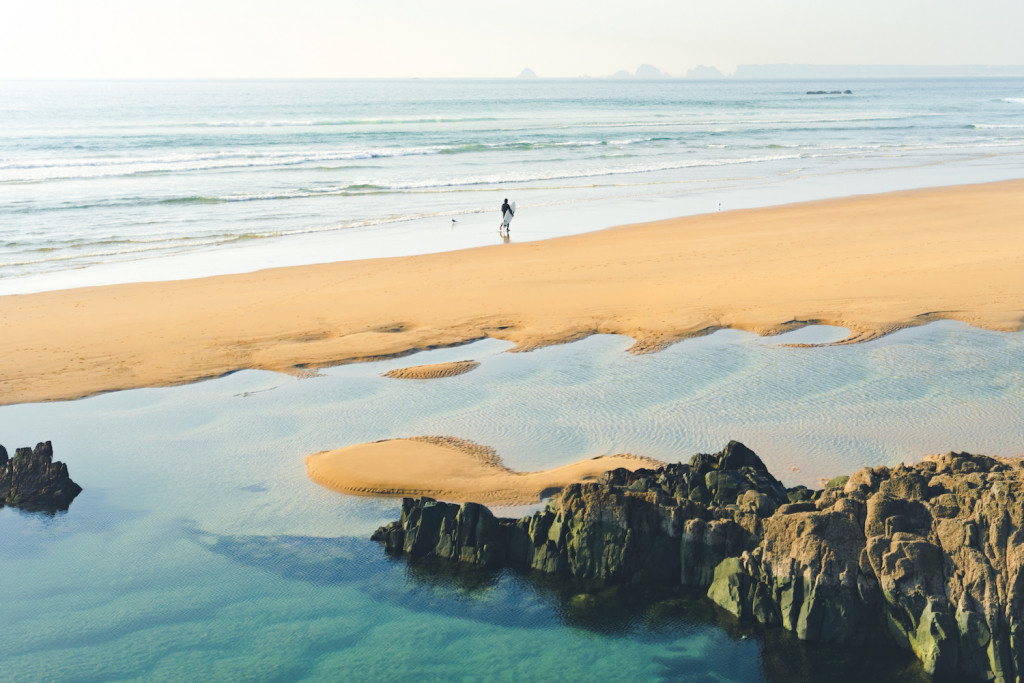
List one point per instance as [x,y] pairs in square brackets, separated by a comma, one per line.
[199,550]
[114,181]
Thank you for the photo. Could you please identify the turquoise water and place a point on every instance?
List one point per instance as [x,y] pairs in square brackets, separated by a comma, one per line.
[199,550]
[104,181]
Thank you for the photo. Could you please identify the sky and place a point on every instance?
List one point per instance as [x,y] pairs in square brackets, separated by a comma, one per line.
[477,38]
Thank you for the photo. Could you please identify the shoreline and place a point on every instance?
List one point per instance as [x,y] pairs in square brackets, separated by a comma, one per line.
[870,263]
[424,235]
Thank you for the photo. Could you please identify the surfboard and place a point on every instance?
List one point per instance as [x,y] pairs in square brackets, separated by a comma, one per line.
[506,218]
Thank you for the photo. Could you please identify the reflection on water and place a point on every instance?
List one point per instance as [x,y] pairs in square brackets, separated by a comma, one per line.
[29,534]
[691,633]
[199,549]
[323,561]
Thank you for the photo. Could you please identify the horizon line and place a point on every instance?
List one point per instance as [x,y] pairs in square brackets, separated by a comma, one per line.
[609,77]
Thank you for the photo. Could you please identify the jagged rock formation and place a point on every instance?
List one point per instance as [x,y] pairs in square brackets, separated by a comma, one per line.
[33,482]
[929,557]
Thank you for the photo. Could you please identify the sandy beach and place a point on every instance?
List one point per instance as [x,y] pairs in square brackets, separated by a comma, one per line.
[872,264]
[451,469]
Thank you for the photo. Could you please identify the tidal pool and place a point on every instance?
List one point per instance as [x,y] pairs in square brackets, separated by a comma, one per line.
[199,550]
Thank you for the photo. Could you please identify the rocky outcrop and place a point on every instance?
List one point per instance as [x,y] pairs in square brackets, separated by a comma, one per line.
[929,557]
[672,524]
[33,482]
[932,554]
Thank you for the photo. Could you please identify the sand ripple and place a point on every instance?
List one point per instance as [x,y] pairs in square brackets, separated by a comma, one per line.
[435,371]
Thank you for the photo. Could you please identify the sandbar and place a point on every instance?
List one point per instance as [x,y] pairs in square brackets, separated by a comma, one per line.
[871,264]
[450,469]
[434,371]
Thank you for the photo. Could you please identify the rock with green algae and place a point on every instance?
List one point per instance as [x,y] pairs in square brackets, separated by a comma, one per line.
[629,527]
[837,482]
[929,557]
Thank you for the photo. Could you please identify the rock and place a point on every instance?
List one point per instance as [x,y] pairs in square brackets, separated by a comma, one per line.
[730,587]
[468,533]
[33,482]
[801,494]
[837,482]
[928,557]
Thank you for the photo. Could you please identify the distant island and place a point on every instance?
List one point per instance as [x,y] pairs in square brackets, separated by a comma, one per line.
[642,71]
[527,73]
[648,71]
[704,72]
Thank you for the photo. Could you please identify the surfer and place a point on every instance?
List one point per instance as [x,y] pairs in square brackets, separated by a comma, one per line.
[507,212]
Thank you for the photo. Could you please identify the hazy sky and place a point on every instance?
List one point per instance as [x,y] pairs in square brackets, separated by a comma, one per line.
[357,38]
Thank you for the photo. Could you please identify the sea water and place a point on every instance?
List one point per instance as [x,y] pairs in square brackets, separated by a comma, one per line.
[114,181]
[199,550]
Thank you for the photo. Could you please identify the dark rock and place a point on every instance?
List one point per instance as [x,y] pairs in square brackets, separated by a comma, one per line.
[928,557]
[801,494]
[33,482]
[466,533]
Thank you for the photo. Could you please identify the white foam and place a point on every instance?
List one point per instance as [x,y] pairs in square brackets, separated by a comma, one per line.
[626,169]
[997,126]
[554,218]
[98,167]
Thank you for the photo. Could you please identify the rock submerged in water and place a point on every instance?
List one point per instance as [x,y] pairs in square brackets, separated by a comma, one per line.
[929,557]
[33,482]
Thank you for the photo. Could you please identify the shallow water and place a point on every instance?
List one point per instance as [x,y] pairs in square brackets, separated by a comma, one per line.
[199,549]
[120,181]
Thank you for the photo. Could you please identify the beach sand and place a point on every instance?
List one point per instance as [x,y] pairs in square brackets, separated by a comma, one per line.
[871,264]
[450,469]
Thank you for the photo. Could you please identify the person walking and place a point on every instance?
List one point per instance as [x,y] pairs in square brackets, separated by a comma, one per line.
[507,212]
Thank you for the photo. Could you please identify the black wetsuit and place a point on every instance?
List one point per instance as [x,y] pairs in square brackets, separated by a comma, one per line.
[505,207]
